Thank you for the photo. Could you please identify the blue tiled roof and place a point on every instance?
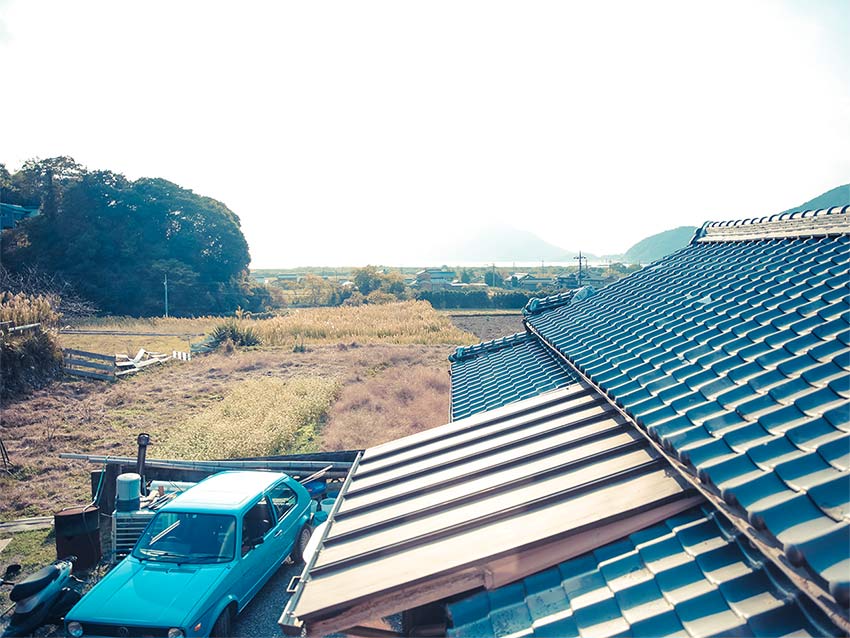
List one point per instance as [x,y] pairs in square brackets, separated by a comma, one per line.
[495,373]
[691,575]
[735,354]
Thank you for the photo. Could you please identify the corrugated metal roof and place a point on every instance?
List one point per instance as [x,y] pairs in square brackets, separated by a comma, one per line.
[498,372]
[487,498]
[692,575]
[735,355]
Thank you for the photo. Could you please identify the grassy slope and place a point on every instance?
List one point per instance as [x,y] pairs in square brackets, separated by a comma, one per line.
[290,393]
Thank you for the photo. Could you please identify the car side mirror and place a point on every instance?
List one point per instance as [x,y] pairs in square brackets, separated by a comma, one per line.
[12,571]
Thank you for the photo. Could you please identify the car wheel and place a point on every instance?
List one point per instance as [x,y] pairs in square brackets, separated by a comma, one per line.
[297,554]
[222,626]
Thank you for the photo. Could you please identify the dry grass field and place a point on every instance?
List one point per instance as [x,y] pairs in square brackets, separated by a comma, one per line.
[410,322]
[359,382]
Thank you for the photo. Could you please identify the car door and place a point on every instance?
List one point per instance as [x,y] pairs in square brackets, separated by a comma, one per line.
[286,506]
[254,566]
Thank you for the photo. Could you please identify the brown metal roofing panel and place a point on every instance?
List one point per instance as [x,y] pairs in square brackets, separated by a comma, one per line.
[352,537]
[334,585]
[466,444]
[448,469]
[554,400]
[494,480]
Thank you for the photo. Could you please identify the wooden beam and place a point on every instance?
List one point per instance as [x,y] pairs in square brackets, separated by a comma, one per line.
[90,355]
[83,363]
[401,599]
[91,375]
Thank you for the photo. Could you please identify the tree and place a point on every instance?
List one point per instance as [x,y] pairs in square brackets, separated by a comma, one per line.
[367,279]
[493,279]
[115,241]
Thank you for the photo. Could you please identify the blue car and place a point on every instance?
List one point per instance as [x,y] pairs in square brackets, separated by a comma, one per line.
[201,559]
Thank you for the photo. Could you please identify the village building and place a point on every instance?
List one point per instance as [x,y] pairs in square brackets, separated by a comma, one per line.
[669,455]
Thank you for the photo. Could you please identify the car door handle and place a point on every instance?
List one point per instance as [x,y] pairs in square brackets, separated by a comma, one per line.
[278,533]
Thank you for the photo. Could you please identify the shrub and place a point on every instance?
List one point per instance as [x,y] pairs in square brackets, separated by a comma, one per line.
[27,361]
[242,336]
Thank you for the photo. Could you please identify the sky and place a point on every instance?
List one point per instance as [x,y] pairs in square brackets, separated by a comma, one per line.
[346,133]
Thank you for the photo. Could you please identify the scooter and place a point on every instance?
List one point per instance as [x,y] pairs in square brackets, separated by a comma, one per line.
[40,599]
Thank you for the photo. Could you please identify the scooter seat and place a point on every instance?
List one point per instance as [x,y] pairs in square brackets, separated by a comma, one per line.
[34,583]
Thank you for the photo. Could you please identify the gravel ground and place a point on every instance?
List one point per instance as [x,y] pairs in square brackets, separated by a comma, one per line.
[259,619]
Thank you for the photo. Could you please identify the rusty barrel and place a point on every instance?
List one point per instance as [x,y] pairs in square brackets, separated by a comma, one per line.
[78,534]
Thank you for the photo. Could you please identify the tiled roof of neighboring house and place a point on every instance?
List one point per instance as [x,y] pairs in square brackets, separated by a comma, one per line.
[502,371]
[735,355]
[692,575]
[483,501]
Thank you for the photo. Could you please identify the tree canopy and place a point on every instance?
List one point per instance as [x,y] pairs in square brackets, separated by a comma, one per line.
[116,240]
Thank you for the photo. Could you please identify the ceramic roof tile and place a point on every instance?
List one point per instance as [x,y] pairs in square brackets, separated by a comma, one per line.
[498,372]
[748,336]
[690,575]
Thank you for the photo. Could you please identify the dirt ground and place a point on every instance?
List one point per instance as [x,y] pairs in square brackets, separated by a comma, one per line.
[388,391]
[99,418]
[489,326]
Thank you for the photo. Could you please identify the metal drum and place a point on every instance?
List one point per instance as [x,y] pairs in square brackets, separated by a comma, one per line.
[78,534]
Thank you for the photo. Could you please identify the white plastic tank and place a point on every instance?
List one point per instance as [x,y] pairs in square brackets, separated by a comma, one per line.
[128,492]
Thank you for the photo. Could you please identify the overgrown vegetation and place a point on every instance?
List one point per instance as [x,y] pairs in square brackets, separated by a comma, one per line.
[30,358]
[116,241]
[232,332]
[260,417]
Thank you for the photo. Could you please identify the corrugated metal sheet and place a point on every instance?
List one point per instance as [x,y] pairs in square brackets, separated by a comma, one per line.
[475,492]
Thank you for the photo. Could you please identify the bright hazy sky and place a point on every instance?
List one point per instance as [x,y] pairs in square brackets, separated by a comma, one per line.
[357,132]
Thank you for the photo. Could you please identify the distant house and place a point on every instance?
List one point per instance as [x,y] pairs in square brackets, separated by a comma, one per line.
[431,279]
[11,214]
[294,278]
[527,281]
[669,456]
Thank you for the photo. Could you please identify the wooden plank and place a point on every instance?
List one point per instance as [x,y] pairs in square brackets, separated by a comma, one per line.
[91,375]
[72,361]
[90,355]
[29,326]
[27,524]
[122,373]
[146,363]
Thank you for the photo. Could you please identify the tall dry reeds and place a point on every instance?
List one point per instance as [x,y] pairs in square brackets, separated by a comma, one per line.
[259,417]
[406,322]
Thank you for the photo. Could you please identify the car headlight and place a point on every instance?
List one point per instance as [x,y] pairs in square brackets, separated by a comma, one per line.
[175,632]
[75,629]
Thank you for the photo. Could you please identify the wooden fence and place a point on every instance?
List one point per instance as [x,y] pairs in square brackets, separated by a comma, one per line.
[89,364]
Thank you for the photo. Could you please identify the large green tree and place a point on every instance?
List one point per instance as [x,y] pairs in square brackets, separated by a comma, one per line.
[117,240]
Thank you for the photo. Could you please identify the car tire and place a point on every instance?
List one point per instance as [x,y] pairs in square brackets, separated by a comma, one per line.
[223,625]
[297,554]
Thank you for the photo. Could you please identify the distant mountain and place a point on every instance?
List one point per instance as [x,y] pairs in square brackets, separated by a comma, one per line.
[498,243]
[656,246]
[838,196]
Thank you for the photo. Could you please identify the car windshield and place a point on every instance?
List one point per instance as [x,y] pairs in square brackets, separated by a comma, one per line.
[188,537]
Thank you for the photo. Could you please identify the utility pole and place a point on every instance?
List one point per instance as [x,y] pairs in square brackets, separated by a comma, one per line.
[165,283]
[580,258]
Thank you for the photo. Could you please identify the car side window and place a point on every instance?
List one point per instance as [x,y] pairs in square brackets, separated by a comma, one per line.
[284,499]
[256,524]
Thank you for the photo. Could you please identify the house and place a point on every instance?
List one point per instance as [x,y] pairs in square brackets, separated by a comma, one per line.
[12,214]
[434,279]
[527,281]
[669,455]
